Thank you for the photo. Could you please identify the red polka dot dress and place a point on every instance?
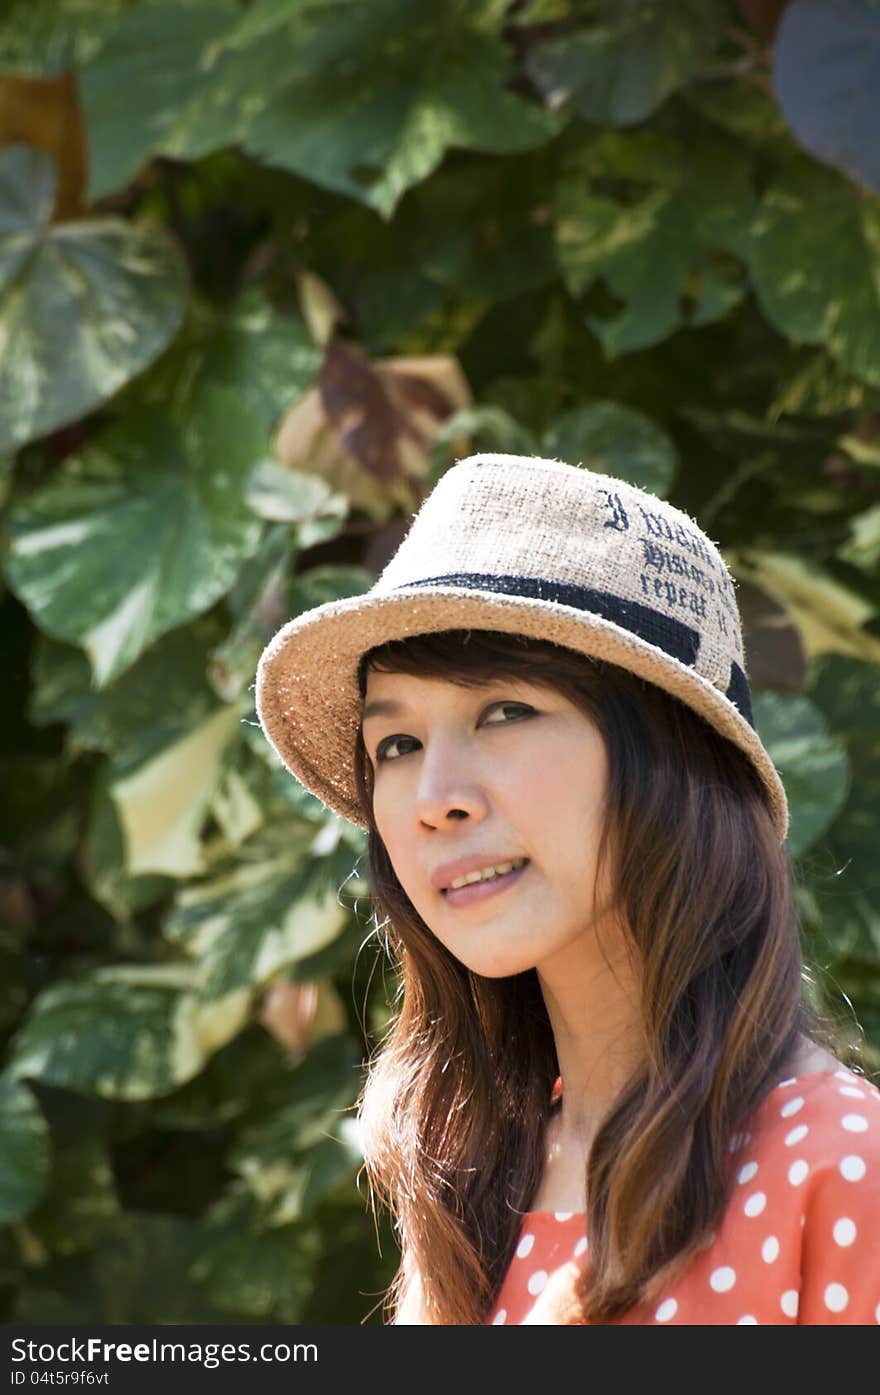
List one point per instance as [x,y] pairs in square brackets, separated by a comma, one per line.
[799,1242]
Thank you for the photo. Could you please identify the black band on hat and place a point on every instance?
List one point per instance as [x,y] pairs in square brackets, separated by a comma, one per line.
[680,641]
[739,693]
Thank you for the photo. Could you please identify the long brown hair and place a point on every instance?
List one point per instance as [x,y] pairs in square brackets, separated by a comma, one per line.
[456,1101]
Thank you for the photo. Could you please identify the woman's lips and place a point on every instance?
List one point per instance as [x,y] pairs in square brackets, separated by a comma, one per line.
[481,891]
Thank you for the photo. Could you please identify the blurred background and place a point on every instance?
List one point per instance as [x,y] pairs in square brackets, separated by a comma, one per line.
[266,269]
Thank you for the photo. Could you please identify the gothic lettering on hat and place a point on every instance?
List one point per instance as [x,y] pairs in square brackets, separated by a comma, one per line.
[658,527]
[664,560]
[618,517]
[674,595]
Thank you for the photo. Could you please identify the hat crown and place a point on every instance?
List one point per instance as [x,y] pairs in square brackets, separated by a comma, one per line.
[554,531]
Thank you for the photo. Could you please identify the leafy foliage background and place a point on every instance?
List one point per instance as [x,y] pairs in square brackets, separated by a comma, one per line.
[266,269]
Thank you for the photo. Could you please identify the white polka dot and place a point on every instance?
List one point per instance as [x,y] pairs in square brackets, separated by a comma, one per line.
[852,1092]
[500,1316]
[581,1245]
[877,1312]
[525,1246]
[537,1281]
[789,1302]
[843,1075]
[854,1123]
[792,1106]
[844,1231]
[755,1204]
[795,1135]
[563,1215]
[797,1172]
[738,1141]
[747,1172]
[722,1279]
[790,1081]
[770,1249]
[852,1167]
[668,1308]
[747,1321]
[836,1298]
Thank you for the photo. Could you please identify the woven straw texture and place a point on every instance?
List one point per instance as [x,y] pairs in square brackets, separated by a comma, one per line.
[537,547]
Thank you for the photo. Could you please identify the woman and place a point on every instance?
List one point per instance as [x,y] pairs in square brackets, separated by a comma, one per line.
[604,1097]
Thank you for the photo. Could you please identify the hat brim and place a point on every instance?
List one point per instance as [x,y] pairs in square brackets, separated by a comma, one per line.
[309,705]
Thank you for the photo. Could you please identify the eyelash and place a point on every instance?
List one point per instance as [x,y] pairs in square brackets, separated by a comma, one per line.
[381,757]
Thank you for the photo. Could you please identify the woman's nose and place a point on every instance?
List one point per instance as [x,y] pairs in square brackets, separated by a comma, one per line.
[447,790]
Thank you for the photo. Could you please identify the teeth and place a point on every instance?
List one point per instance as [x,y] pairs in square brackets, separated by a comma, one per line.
[488,873]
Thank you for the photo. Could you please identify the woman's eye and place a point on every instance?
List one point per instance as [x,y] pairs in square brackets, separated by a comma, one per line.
[385,746]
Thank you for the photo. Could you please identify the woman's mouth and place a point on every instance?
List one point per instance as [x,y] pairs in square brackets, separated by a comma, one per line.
[462,896]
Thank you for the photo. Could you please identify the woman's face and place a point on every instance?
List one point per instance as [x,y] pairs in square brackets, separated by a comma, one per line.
[507,770]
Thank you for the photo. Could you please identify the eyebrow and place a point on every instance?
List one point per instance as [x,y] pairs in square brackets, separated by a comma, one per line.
[387,707]
[381,707]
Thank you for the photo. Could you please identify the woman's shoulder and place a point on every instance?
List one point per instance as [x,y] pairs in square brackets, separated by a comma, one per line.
[818,1116]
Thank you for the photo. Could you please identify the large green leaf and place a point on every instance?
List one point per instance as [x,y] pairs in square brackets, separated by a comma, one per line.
[845,879]
[84,306]
[127,1032]
[149,707]
[444,74]
[163,55]
[142,532]
[260,1272]
[268,359]
[273,904]
[81,1206]
[298,1146]
[668,255]
[162,805]
[24,1150]
[42,38]
[200,82]
[813,764]
[807,293]
[622,68]
[140,1272]
[615,440]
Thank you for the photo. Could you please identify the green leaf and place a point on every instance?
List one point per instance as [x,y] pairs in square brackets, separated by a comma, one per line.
[127,1032]
[142,1272]
[617,440]
[808,295]
[162,56]
[444,74]
[301,1142]
[141,533]
[846,880]
[84,306]
[267,358]
[262,910]
[284,495]
[24,1151]
[149,707]
[813,764]
[80,1208]
[199,82]
[619,71]
[163,804]
[43,38]
[673,243]
[103,858]
[249,1268]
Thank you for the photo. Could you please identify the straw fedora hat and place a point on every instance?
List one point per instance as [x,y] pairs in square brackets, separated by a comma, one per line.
[534,547]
